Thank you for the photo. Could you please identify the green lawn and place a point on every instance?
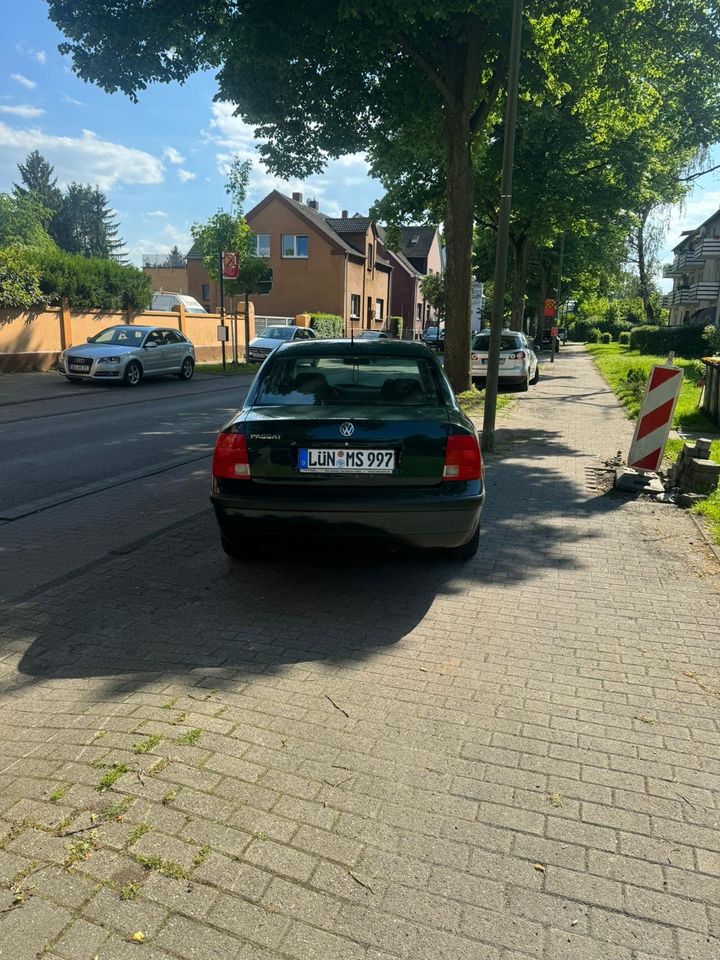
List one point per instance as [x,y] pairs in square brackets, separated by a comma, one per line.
[472,402]
[230,371]
[614,361]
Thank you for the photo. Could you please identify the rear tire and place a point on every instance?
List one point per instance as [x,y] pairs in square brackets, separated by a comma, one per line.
[468,550]
[133,374]
[187,369]
[525,386]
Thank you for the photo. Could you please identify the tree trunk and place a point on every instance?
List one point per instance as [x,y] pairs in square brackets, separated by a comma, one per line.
[522,265]
[642,271]
[458,247]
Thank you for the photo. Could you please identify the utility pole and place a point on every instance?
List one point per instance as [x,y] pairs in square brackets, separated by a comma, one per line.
[222,304]
[553,340]
[503,234]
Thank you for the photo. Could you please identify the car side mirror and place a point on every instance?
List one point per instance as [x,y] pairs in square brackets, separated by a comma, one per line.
[89,340]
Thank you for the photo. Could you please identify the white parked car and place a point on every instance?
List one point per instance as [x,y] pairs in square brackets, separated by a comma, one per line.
[265,342]
[518,362]
[169,301]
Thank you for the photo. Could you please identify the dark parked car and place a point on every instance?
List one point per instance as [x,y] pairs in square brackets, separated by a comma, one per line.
[434,337]
[349,440]
[373,335]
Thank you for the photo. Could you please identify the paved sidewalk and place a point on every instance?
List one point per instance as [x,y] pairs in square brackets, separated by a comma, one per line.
[370,758]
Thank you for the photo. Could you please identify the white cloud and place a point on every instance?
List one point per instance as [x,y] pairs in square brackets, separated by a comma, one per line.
[23,81]
[185,175]
[173,156]
[155,213]
[86,159]
[230,131]
[66,99]
[41,56]
[23,110]
[354,160]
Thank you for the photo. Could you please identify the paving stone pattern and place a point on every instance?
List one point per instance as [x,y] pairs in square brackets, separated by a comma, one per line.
[366,757]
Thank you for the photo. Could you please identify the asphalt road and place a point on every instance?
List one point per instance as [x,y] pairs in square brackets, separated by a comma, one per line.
[85,471]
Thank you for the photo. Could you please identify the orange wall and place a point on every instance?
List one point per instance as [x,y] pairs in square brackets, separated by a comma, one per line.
[32,341]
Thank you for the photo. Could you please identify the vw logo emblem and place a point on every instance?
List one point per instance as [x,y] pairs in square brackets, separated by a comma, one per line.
[347,429]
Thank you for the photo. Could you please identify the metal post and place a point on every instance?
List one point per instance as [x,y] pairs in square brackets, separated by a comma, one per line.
[553,340]
[222,306]
[247,325]
[503,234]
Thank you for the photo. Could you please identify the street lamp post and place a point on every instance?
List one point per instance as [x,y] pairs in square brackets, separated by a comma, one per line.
[503,234]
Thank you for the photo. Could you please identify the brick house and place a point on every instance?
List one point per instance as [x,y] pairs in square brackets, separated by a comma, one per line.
[320,264]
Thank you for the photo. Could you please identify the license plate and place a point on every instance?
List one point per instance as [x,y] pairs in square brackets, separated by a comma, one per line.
[339,460]
[80,367]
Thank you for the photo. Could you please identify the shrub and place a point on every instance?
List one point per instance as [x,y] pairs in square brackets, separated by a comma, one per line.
[624,337]
[633,383]
[711,336]
[593,335]
[685,341]
[395,326]
[89,283]
[19,278]
[606,337]
[326,324]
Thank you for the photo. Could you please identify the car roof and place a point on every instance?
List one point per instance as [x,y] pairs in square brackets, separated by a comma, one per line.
[347,348]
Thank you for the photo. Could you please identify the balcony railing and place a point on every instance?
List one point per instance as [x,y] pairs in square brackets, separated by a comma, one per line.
[704,291]
[709,247]
[666,300]
[685,262]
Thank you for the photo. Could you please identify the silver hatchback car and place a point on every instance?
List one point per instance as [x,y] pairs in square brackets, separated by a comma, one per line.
[127,353]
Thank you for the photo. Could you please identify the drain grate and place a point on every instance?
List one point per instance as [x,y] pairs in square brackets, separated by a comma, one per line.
[599,479]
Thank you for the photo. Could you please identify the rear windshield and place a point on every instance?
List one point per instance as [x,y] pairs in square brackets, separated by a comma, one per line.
[349,381]
[482,342]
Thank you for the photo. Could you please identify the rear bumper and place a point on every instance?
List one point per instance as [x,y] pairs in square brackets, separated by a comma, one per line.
[431,521]
[510,379]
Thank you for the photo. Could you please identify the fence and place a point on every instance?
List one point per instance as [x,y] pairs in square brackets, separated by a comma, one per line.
[33,341]
[262,322]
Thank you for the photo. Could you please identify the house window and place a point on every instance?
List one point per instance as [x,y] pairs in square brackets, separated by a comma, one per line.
[379,309]
[370,257]
[419,311]
[205,292]
[262,245]
[354,305]
[294,246]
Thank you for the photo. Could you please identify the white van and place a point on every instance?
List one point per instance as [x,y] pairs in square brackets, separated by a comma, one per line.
[169,301]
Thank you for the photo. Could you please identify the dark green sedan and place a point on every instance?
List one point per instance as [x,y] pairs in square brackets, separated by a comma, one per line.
[349,440]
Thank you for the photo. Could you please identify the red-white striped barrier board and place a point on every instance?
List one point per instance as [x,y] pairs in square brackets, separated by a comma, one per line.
[656,417]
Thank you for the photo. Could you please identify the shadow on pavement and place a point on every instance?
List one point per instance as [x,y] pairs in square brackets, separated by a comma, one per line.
[177,607]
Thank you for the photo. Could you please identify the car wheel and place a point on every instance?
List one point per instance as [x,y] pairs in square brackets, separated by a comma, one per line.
[468,550]
[187,369]
[525,385]
[133,374]
[537,375]
[234,549]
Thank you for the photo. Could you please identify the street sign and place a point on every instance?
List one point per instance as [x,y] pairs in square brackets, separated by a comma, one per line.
[656,417]
[553,331]
[550,306]
[222,334]
[230,265]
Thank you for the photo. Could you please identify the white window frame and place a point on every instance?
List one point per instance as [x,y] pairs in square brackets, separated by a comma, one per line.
[355,297]
[294,255]
[256,250]
[379,313]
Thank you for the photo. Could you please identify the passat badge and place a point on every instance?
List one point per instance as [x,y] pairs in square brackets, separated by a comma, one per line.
[347,429]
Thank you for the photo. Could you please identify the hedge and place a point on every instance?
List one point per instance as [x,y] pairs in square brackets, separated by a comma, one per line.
[606,338]
[327,325]
[685,341]
[624,337]
[19,278]
[395,326]
[593,335]
[90,283]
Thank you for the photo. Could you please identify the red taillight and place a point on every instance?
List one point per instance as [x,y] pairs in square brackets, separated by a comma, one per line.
[230,460]
[463,460]
[519,355]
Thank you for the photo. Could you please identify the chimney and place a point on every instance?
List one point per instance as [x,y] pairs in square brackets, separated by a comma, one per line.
[298,197]
[344,215]
[313,204]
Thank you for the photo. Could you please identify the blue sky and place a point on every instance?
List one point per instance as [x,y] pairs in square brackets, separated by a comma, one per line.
[161,162]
